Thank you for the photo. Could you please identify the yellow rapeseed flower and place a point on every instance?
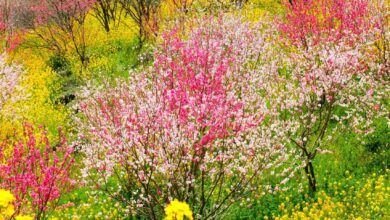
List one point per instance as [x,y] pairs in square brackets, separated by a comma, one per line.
[6,208]
[23,217]
[5,198]
[177,211]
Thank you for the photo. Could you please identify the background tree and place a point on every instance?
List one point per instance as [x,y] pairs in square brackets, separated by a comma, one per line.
[108,12]
[145,13]
[182,5]
[15,16]
[59,22]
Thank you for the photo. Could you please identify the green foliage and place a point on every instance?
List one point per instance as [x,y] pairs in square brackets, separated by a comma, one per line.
[89,204]
[60,65]
[113,59]
[342,170]
[377,146]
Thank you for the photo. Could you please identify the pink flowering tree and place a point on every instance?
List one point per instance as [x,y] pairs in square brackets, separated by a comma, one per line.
[330,80]
[36,172]
[59,22]
[186,129]
[14,17]
[310,22]
[9,77]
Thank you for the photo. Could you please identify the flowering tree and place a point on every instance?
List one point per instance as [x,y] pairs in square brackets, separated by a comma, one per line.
[9,77]
[313,22]
[145,13]
[36,172]
[186,129]
[15,15]
[331,76]
[64,23]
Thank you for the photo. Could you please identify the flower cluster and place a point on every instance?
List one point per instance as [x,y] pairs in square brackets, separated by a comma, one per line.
[345,200]
[36,176]
[35,98]
[7,208]
[314,22]
[177,211]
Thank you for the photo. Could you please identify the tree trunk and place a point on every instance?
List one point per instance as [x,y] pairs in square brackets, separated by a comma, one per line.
[309,170]
[106,24]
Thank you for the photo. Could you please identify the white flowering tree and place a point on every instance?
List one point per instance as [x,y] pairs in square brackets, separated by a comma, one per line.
[329,76]
[9,77]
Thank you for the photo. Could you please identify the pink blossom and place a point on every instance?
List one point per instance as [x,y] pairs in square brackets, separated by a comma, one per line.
[35,177]
[195,115]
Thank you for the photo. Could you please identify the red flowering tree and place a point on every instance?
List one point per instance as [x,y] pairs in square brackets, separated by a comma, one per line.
[36,172]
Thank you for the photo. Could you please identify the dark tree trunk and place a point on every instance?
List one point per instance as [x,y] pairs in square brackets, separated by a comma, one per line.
[309,171]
